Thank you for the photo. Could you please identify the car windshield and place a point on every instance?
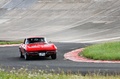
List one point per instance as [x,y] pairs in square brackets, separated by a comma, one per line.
[34,40]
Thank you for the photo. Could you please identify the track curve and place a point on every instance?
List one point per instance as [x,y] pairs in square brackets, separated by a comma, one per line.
[9,57]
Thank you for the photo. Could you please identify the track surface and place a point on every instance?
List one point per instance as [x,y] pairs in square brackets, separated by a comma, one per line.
[9,57]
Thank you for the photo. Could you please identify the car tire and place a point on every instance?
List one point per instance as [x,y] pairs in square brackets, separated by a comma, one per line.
[54,56]
[21,56]
[26,56]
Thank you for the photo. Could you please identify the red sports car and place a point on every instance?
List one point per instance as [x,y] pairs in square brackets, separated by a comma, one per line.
[37,46]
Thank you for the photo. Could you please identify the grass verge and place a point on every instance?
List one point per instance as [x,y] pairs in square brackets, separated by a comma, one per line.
[104,51]
[9,42]
[39,74]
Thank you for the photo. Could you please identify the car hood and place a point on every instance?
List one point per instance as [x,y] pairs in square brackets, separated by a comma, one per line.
[35,47]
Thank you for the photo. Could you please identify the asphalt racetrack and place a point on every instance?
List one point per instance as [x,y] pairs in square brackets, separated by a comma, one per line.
[9,58]
[73,23]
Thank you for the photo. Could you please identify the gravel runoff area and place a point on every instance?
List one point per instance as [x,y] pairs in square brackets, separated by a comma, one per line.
[73,56]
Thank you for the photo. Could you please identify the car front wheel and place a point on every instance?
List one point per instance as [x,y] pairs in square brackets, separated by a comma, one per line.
[26,56]
[21,56]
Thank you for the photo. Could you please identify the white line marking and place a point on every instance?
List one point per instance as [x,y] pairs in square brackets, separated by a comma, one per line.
[3,20]
[92,41]
[6,3]
[9,45]
[100,40]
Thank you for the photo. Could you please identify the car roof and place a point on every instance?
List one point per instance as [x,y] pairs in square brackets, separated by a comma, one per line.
[36,37]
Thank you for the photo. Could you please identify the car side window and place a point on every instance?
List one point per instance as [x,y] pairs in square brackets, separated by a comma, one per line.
[26,41]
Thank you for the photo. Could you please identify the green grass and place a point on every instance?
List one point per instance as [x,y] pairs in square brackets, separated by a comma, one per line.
[104,51]
[10,42]
[39,74]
